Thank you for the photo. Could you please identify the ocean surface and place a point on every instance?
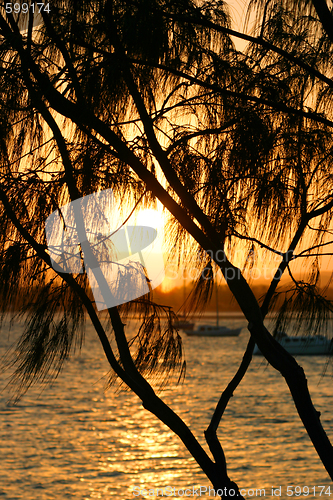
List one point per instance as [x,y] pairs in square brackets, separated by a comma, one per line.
[74,440]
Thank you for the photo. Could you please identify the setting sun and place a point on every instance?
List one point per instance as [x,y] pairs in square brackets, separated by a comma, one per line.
[150,217]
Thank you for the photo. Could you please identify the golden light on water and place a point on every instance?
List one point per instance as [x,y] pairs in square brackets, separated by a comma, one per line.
[80,442]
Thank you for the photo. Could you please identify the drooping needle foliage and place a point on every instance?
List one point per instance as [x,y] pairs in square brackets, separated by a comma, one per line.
[154,100]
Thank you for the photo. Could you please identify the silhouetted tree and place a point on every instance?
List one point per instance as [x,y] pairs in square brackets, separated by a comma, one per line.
[153,100]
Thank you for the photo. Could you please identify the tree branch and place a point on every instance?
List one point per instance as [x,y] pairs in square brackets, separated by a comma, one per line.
[211,432]
[259,41]
[170,174]
[325,17]
[320,211]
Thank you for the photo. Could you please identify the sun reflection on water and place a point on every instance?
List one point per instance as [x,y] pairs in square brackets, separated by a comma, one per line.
[74,441]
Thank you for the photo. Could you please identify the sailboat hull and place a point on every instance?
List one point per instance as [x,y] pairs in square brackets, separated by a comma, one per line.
[184,325]
[303,345]
[213,331]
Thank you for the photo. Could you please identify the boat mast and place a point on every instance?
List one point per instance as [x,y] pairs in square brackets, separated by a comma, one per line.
[217,304]
[184,295]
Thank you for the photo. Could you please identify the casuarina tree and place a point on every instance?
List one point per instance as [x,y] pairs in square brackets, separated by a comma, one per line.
[153,100]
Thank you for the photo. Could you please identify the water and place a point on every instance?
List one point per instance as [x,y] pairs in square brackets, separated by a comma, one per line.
[73,440]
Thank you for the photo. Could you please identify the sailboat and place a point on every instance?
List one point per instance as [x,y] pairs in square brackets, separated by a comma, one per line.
[213,330]
[182,322]
[302,345]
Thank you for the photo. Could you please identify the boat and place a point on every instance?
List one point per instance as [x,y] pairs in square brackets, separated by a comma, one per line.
[213,330]
[311,345]
[183,324]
